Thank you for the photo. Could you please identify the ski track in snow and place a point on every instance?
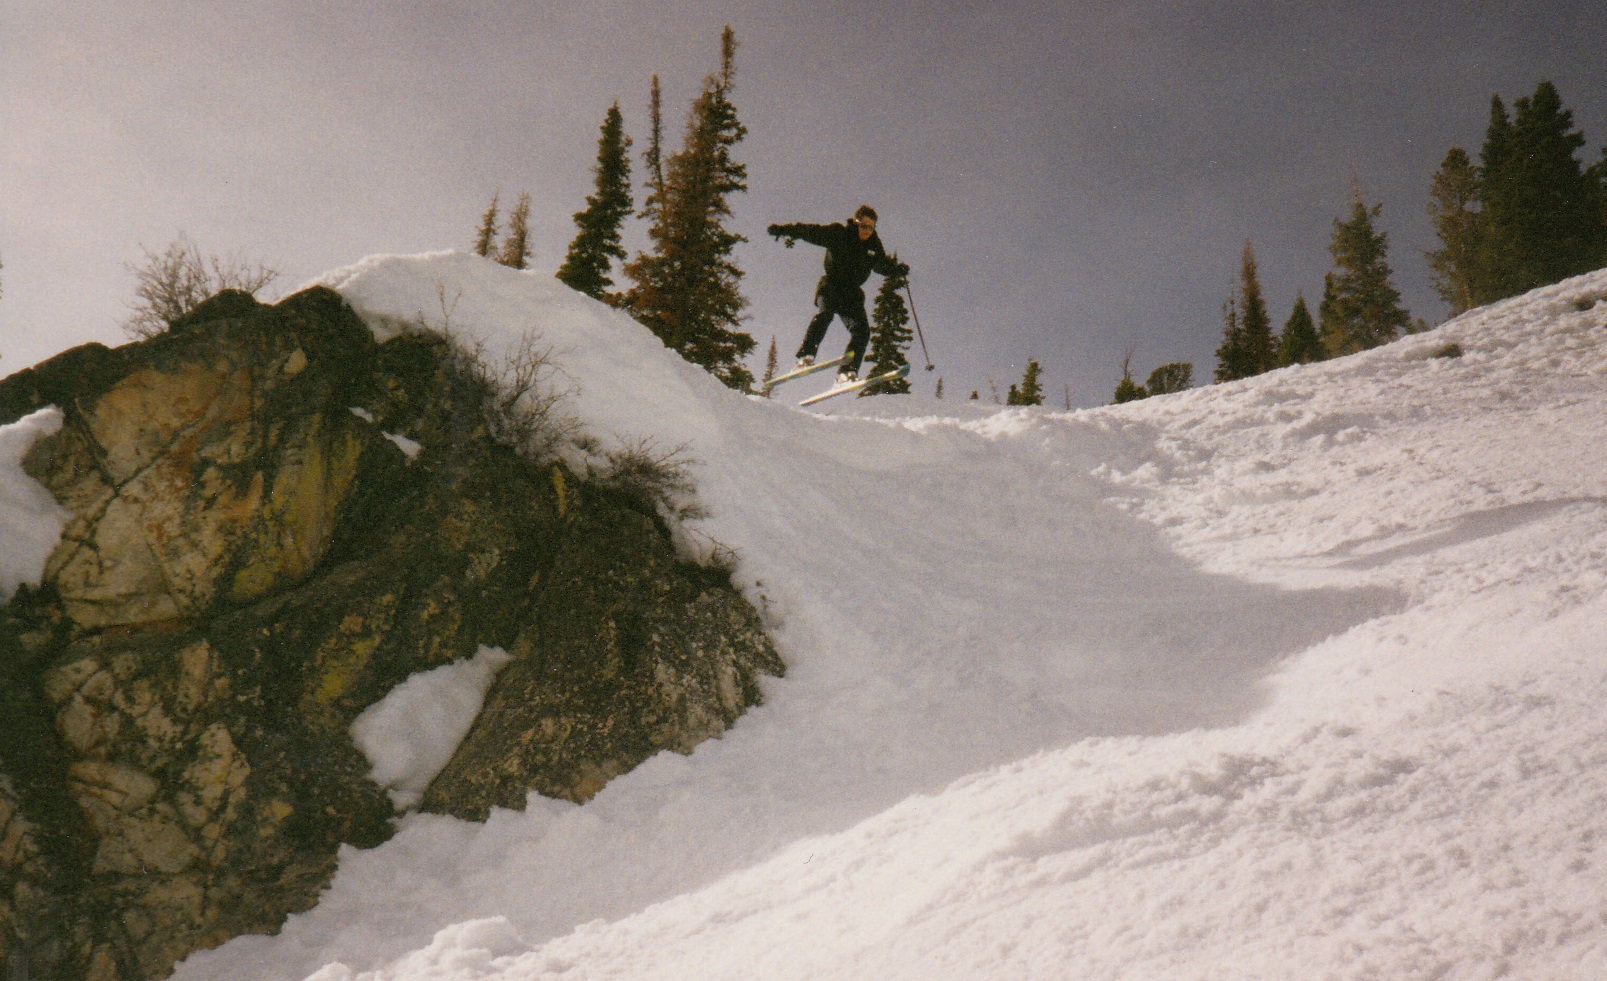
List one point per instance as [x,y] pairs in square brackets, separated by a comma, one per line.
[1293,677]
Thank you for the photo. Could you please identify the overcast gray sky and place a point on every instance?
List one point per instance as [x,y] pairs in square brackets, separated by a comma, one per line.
[1068,180]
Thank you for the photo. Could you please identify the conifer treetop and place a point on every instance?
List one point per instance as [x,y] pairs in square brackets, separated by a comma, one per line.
[598,241]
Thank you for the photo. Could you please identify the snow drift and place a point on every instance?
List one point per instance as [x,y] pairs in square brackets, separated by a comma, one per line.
[1295,677]
[31,521]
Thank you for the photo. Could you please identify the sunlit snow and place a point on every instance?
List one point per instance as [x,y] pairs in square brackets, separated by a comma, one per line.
[1297,677]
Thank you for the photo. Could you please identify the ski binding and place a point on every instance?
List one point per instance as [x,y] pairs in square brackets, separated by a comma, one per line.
[800,372]
[901,372]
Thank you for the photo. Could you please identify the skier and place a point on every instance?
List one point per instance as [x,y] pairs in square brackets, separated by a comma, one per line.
[853,252]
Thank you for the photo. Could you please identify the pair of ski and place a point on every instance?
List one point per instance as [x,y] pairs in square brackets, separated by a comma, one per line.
[836,390]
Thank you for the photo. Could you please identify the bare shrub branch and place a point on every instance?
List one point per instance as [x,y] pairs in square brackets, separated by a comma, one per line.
[660,479]
[171,283]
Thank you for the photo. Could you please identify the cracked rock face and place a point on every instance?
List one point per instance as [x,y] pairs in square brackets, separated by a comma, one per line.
[250,564]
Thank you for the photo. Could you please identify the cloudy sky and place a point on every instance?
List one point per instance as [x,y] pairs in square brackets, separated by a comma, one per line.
[1068,180]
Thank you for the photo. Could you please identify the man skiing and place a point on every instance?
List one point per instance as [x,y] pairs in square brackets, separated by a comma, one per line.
[853,252]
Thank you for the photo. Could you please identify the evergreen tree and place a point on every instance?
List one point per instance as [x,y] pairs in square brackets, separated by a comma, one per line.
[1544,211]
[1598,173]
[1247,347]
[516,246]
[485,242]
[772,361]
[648,299]
[1231,363]
[1361,308]
[1128,390]
[1454,209]
[890,337]
[1255,326]
[1489,266]
[654,155]
[597,244]
[687,288]
[938,394]
[1298,344]
[1030,392]
[1169,378]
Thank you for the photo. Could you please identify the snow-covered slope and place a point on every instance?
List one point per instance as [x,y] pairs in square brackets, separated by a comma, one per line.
[1299,677]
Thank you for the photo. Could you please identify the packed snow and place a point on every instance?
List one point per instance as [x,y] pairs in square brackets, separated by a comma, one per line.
[1296,677]
[410,735]
[31,522]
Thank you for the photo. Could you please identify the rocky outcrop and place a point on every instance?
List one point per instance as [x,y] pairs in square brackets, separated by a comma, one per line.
[249,565]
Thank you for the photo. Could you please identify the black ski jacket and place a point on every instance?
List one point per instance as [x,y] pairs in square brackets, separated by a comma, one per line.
[849,261]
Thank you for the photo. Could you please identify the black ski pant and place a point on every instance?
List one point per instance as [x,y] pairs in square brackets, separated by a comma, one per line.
[850,306]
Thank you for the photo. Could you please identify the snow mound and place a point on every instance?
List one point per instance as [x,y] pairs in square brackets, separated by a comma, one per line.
[31,522]
[1298,676]
[410,734]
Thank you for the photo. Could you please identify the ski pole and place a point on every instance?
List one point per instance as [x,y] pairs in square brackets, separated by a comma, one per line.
[917,318]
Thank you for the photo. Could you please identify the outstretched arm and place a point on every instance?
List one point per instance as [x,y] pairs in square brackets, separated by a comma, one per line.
[886,264]
[813,234]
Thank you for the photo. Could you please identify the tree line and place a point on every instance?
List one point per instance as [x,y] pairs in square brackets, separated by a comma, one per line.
[1527,214]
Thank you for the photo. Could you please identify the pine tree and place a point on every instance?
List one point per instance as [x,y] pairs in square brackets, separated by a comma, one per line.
[890,337]
[1361,308]
[1598,173]
[1298,343]
[687,289]
[1247,347]
[654,155]
[597,244]
[1544,210]
[1491,276]
[1169,378]
[485,242]
[1255,326]
[1454,209]
[516,246]
[938,394]
[1030,392]
[1230,360]
[772,361]
[1128,390]
[649,298]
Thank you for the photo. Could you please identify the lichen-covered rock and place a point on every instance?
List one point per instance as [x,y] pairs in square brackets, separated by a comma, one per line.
[250,564]
[639,653]
[212,468]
